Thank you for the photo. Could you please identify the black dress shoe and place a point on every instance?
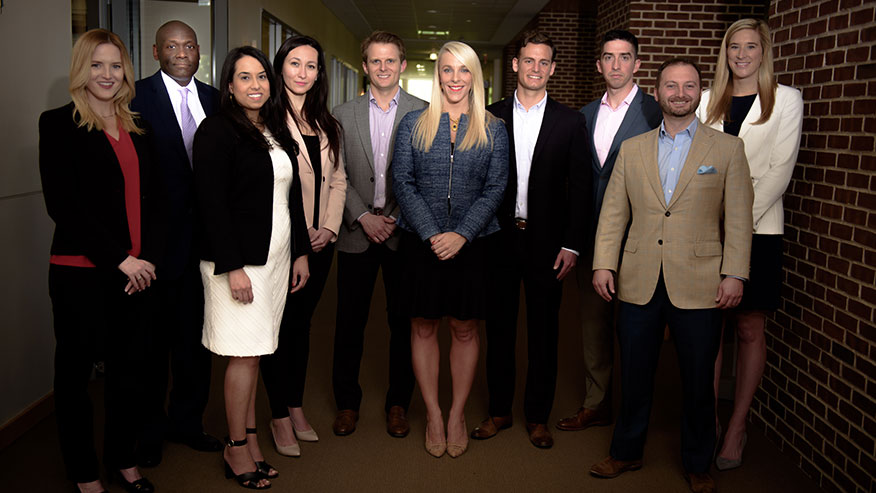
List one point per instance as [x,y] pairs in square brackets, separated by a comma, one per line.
[201,442]
[141,485]
[149,455]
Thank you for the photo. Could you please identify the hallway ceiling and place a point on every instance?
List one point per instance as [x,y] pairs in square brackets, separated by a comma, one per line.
[487,25]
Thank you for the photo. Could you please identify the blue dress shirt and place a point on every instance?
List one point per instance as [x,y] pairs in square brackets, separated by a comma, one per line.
[671,155]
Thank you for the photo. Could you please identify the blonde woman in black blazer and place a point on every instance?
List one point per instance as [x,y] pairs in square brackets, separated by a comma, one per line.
[101,190]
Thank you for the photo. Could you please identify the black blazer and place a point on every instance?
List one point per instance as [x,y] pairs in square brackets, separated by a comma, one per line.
[234,187]
[154,106]
[559,197]
[84,190]
[643,115]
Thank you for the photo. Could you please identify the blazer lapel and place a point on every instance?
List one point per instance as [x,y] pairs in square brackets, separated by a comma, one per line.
[634,112]
[363,124]
[590,116]
[547,124]
[699,147]
[751,117]
[404,107]
[649,155]
[302,148]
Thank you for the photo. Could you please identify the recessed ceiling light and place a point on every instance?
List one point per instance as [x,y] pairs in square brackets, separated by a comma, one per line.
[432,26]
[468,20]
[431,11]
[433,56]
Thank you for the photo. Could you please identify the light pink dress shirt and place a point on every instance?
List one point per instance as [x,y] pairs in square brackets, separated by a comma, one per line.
[608,121]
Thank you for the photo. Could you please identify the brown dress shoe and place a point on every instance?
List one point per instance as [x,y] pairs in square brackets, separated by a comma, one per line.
[345,422]
[491,426]
[539,435]
[612,468]
[397,423]
[700,482]
[584,419]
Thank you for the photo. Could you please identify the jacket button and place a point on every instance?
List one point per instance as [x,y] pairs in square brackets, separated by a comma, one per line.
[369,206]
[323,179]
[372,179]
[659,242]
[667,214]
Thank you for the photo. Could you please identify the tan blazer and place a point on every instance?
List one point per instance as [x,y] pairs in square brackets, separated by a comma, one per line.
[682,237]
[333,188]
[771,149]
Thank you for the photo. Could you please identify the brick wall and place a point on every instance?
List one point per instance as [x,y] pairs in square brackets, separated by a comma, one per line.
[818,397]
[668,28]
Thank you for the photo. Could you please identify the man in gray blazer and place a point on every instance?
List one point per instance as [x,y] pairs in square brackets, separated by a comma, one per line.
[624,111]
[368,239]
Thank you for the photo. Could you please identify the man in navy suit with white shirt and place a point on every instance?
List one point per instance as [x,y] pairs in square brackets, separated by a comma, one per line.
[174,103]
[624,111]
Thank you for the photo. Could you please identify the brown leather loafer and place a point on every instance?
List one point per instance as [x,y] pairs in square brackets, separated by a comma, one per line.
[700,482]
[491,426]
[585,418]
[539,435]
[397,423]
[612,468]
[345,422]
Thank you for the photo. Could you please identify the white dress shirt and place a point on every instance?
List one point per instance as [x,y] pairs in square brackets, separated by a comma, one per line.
[176,99]
[527,124]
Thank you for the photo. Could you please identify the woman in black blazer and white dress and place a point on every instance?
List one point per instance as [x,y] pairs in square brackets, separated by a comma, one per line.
[101,190]
[253,234]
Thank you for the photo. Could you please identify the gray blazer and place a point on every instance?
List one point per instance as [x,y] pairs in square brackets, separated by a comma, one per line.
[359,162]
[643,115]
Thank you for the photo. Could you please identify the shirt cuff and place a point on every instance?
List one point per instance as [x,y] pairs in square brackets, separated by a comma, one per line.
[573,251]
[737,277]
[360,215]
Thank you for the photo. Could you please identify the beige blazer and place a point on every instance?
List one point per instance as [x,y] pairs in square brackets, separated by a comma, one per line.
[771,149]
[333,188]
[684,236]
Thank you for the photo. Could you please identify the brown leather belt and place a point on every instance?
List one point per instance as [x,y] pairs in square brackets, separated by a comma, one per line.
[520,223]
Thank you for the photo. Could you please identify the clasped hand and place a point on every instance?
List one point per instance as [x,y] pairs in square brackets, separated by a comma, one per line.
[319,238]
[140,274]
[377,228]
[446,245]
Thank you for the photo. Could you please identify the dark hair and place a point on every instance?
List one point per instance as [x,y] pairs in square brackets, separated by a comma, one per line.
[315,110]
[679,61]
[620,34]
[273,119]
[385,38]
[538,38]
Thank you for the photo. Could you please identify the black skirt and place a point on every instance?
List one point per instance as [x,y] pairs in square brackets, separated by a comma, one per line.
[763,291]
[432,288]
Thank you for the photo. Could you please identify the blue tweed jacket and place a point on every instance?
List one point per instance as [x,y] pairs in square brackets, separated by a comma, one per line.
[436,198]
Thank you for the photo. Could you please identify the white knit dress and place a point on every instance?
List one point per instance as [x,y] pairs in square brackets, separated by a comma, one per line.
[232,328]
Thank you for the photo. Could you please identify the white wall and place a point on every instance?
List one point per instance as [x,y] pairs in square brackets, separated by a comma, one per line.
[35,43]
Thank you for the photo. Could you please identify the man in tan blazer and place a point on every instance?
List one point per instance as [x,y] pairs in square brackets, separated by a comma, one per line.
[685,193]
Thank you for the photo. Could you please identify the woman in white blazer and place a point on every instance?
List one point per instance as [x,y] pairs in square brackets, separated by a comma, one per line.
[300,70]
[746,101]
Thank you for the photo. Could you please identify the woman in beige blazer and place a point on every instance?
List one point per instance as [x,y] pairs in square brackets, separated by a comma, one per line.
[300,69]
[746,101]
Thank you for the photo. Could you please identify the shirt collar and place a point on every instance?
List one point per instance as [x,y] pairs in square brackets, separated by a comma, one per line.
[373,100]
[173,86]
[536,106]
[691,129]
[628,100]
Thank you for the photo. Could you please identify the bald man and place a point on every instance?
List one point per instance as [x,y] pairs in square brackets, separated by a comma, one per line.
[173,102]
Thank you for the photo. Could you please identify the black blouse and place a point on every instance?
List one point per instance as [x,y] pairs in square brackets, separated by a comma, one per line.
[738,111]
[312,144]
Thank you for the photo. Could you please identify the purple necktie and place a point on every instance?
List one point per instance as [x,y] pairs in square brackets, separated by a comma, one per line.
[188,123]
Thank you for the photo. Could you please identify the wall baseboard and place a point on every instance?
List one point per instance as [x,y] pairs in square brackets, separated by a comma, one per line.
[26,419]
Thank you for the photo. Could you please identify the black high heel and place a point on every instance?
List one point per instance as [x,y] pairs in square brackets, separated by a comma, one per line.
[261,465]
[248,479]
[141,485]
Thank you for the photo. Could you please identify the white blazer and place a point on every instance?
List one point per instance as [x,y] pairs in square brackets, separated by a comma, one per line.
[771,149]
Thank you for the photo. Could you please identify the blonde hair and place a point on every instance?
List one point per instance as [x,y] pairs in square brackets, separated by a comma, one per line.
[426,127]
[80,74]
[722,87]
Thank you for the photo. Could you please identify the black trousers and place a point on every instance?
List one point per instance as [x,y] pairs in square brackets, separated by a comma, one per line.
[513,261]
[640,336]
[285,371]
[178,338]
[94,319]
[357,273]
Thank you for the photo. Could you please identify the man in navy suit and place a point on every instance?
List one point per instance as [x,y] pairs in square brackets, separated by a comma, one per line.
[173,102]
[543,219]
[624,111]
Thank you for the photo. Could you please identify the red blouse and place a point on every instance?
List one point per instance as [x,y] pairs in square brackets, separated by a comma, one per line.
[126,153]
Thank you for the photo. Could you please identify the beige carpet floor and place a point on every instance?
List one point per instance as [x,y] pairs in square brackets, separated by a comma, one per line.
[369,460]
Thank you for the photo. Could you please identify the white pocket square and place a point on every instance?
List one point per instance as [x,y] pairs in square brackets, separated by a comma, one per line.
[706,170]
